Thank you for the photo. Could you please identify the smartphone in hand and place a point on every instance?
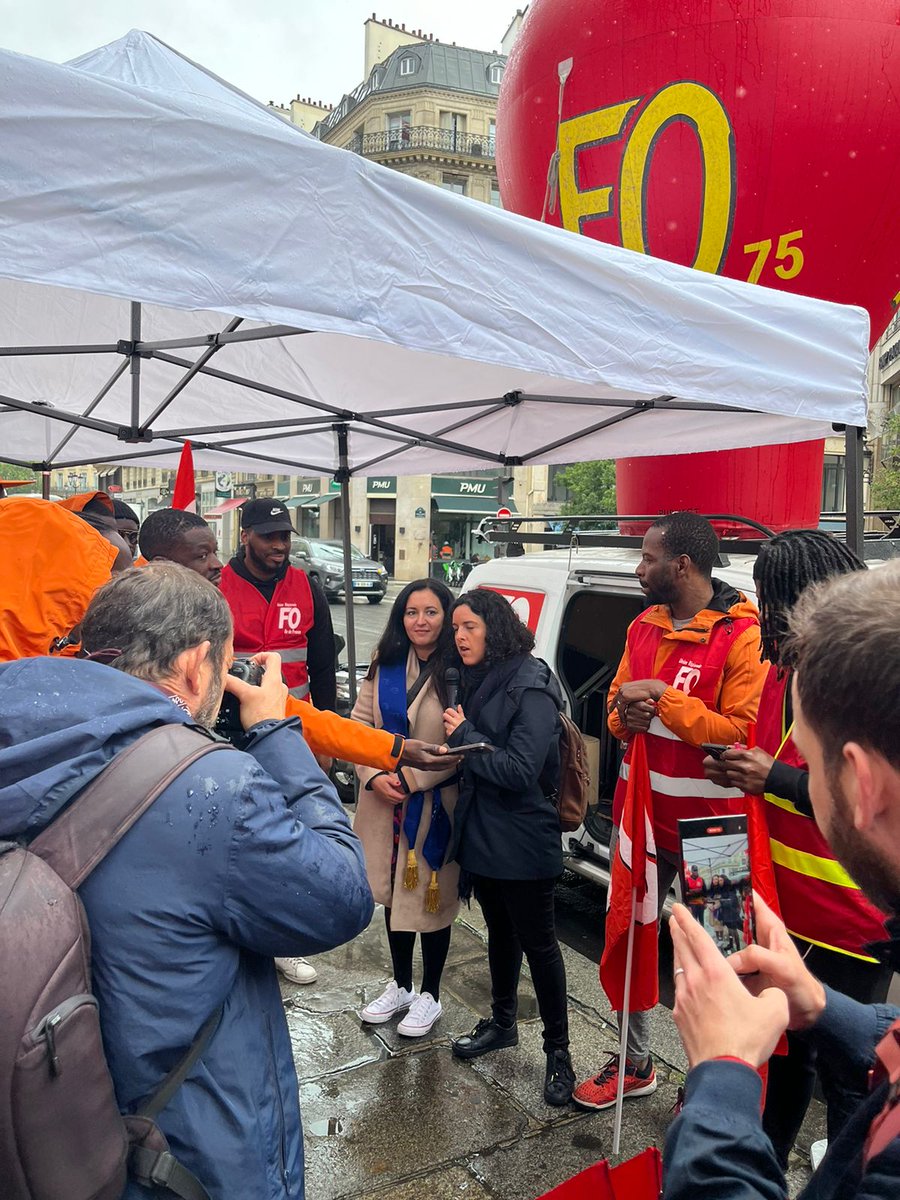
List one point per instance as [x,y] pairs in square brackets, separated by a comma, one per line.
[715,879]
[474,748]
[716,749]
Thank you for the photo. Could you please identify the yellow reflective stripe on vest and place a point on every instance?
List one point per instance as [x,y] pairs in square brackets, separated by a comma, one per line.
[786,805]
[826,869]
[802,937]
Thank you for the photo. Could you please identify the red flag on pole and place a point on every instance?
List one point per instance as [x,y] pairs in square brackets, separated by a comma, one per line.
[633,870]
[185,495]
[639,1178]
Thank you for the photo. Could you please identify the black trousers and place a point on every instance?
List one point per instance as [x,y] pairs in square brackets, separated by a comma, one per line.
[792,1077]
[519,917]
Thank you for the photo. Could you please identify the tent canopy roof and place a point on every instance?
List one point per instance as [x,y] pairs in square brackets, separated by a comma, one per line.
[176,260]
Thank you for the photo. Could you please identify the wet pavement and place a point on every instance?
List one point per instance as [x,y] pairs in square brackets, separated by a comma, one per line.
[386,1116]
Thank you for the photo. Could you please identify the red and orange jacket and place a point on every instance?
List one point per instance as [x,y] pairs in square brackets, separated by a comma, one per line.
[819,901]
[714,677]
[282,624]
[53,562]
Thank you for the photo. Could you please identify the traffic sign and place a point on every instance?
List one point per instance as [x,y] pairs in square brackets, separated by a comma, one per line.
[503,512]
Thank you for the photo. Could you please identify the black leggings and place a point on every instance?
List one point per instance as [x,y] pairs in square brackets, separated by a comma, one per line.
[434,954]
[519,917]
[792,1077]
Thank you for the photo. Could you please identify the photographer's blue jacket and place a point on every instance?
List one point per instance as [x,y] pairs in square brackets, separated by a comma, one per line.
[245,856]
[717,1150]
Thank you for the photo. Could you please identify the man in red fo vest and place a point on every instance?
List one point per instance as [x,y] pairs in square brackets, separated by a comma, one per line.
[276,607]
[691,673]
[824,910]
[845,656]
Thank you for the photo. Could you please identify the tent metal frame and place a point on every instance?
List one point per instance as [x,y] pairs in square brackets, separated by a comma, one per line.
[341,422]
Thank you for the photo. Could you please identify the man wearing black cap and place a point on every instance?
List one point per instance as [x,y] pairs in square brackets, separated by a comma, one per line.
[276,607]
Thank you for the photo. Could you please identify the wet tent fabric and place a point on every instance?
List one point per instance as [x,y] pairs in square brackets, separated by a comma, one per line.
[329,312]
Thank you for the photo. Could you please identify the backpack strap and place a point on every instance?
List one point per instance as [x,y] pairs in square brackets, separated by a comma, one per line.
[83,835]
[150,1161]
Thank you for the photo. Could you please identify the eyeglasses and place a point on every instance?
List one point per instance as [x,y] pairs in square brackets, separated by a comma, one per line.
[131,538]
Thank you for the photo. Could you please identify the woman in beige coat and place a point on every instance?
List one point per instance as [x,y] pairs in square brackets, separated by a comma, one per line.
[404,822]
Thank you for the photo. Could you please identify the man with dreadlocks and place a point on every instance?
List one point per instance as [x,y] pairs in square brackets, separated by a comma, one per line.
[825,912]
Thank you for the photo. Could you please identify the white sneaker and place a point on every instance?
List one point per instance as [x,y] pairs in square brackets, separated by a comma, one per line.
[297,970]
[392,1000]
[421,1016]
[817,1152]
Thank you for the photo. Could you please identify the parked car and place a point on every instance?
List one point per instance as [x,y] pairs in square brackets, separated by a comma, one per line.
[324,560]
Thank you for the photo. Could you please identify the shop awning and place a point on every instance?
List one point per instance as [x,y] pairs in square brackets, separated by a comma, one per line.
[313,501]
[225,506]
[470,506]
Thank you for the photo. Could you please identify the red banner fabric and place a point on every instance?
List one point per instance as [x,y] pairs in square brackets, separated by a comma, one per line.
[184,495]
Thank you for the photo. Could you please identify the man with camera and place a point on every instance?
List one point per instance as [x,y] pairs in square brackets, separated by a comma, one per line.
[244,856]
[731,1014]
[173,535]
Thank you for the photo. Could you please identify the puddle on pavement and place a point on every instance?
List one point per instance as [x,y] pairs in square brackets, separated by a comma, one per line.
[329,1127]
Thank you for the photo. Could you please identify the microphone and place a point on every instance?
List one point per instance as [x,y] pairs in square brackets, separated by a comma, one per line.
[451,678]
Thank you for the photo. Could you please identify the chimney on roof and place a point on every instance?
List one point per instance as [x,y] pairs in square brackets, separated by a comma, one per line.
[403,27]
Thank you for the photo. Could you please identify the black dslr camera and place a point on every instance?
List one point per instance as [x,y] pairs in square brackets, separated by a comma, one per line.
[228,722]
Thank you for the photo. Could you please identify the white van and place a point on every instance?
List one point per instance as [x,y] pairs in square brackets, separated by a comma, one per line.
[579,602]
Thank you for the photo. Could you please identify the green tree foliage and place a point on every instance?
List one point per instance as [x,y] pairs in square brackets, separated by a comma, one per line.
[886,484]
[591,487]
[8,471]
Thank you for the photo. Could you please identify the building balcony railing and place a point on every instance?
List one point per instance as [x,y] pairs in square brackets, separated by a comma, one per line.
[423,137]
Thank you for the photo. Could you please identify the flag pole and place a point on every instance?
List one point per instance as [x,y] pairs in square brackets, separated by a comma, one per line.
[623,1037]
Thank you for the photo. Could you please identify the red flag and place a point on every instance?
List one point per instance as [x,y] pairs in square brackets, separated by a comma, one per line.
[633,868]
[185,495]
[638,1178]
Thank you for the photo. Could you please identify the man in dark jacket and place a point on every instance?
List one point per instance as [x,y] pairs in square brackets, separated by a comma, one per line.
[846,699]
[244,857]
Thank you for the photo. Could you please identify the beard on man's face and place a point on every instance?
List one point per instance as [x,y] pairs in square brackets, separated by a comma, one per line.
[209,707]
[865,863]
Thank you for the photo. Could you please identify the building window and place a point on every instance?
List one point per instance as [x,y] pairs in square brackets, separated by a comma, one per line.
[492,139]
[495,196]
[556,489]
[495,73]
[377,77]
[834,483]
[398,130]
[408,65]
[453,129]
[454,183]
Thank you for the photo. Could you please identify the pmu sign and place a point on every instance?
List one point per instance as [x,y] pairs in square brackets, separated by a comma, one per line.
[748,139]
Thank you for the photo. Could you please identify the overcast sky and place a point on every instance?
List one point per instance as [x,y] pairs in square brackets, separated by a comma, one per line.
[273,50]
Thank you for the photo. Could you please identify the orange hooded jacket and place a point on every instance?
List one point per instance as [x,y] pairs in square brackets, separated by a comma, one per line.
[53,564]
[739,691]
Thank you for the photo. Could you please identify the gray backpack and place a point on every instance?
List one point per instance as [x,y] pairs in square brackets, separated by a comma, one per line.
[62,1136]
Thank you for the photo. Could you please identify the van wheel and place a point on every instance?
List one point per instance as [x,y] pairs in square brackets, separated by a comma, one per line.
[374,599]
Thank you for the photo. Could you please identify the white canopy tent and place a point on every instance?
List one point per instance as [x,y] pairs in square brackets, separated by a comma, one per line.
[177,261]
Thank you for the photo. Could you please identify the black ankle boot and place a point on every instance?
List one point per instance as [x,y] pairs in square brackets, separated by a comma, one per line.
[486,1036]
[559,1082]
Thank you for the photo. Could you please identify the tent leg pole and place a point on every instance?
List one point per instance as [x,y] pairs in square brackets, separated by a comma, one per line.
[343,476]
[45,484]
[854,459]
[135,366]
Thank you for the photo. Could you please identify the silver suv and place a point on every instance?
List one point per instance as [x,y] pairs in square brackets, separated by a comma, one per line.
[324,560]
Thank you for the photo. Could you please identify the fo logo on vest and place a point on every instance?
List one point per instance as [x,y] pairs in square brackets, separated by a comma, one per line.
[289,618]
[687,676]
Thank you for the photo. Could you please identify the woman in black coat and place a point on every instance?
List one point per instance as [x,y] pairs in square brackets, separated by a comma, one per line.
[506,835]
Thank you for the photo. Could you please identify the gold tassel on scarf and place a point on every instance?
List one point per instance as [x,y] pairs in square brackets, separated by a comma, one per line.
[433,895]
[411,877]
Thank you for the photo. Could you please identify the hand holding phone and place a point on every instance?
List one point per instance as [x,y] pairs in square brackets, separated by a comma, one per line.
[474,748]
[716,749]
[715,879]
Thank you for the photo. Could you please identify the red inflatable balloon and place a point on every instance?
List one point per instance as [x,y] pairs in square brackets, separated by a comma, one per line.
[752,138]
